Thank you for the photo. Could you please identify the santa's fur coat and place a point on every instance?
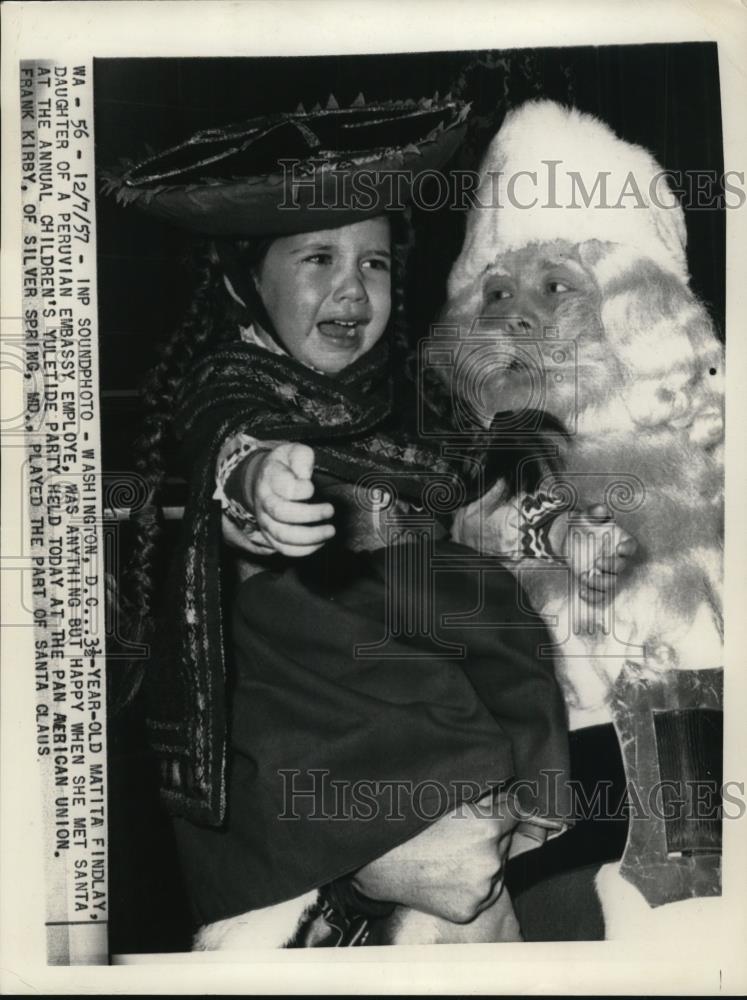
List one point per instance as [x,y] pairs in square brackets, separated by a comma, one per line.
[630,364]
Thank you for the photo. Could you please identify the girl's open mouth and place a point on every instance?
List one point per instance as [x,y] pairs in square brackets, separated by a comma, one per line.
[340,330]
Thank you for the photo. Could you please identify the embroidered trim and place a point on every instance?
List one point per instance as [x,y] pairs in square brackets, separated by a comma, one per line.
[326,925]
[232,454]
[538,512]
[242,517]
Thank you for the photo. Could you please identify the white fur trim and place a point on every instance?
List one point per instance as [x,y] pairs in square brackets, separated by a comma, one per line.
[627,915]
[270,927]
[587,149]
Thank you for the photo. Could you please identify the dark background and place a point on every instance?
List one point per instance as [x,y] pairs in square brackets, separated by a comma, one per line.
[663,97]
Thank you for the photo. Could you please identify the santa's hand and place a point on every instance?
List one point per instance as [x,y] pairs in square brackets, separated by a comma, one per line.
[596,548]
[278,484]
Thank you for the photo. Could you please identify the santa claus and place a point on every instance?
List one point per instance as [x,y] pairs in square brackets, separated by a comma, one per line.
[570,304]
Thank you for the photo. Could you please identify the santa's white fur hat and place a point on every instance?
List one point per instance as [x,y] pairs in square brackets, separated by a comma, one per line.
[538,200]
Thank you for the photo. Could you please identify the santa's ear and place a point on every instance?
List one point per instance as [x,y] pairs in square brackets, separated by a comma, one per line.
[664,342]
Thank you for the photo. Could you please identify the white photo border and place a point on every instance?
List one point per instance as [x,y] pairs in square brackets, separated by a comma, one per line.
[287,27]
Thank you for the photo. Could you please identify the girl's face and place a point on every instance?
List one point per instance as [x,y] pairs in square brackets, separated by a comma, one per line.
[328,293]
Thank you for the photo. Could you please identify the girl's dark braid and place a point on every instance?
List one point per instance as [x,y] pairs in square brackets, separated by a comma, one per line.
[400,321]
[206,323]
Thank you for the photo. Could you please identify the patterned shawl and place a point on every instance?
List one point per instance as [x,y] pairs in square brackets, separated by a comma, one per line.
[349,418]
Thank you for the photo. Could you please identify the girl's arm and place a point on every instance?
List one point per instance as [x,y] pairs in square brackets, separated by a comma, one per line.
[264,488]
[239,525]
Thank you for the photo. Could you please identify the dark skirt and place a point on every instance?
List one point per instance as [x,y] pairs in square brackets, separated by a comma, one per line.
[370,694]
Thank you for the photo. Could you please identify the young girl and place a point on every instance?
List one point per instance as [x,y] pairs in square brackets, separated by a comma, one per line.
[319,772]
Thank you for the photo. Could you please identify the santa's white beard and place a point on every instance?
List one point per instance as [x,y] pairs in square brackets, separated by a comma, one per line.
[645,426]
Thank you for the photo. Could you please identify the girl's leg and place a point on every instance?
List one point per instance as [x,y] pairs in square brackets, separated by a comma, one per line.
[497,923]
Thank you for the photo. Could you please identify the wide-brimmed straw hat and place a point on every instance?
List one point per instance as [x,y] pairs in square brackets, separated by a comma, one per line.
[295,172]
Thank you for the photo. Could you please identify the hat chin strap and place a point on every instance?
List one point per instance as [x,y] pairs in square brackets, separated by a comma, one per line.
[244,292]
[252,322]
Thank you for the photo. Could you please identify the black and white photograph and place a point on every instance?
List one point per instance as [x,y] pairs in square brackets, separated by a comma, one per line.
[374,462]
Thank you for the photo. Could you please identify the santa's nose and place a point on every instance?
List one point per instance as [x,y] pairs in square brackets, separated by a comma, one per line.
[521,325]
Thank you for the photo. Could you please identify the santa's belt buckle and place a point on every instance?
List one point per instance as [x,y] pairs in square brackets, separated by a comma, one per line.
[670,727]
[689,745]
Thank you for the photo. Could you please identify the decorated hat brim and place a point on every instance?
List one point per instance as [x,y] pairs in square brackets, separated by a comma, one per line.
[296,172]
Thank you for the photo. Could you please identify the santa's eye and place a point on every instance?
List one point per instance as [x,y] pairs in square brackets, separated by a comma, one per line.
[558,287]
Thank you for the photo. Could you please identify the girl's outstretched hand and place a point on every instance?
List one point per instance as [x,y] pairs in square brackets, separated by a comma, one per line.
[278,485]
